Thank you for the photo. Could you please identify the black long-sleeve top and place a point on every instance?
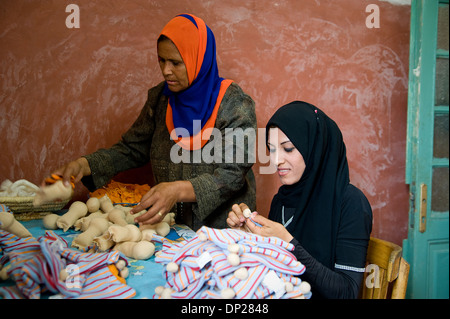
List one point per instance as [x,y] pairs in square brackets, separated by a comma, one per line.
[345,279]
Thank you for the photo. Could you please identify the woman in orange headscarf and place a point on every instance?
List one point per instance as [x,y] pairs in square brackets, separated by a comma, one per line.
[198,97]
[184,116]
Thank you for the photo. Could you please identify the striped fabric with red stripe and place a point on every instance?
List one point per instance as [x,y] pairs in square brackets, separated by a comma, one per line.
[257,254]
[35,266]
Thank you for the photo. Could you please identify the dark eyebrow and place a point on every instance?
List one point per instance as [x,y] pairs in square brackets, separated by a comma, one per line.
[171,60]
[281,143]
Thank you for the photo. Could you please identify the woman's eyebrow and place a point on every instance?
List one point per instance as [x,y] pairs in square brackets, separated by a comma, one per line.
[280,143]
[169,59]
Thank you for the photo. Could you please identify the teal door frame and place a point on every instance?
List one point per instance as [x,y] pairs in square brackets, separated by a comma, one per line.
[427,245]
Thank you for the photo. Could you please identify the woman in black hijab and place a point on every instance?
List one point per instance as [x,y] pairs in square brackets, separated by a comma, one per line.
[328,220]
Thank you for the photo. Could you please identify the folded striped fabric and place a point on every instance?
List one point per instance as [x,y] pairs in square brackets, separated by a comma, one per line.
[36,266]
[4,208]
[223,263]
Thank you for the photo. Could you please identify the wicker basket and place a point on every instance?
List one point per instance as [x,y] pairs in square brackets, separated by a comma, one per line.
[24,204]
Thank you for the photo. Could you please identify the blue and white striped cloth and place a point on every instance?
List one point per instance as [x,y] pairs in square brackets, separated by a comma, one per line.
[35,266]
[4,208]
[197,278]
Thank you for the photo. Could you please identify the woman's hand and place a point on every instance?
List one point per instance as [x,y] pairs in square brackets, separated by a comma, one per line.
[160,199]
[236,219]
[268,228]
[78,169]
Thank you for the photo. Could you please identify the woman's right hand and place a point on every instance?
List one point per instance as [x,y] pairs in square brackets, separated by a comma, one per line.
[78,169]
[236,219]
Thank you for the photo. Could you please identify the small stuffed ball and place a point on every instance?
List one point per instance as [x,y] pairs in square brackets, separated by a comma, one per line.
[172,267]
[247,212]
[241,273]
[233,259]
[227,293]
[305,287]
[233,248]
[202,237]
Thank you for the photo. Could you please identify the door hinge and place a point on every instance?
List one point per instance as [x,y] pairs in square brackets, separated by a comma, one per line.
[412,207]
[423,208]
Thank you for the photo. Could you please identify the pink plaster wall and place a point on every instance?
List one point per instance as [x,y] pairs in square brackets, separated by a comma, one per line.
[66,92]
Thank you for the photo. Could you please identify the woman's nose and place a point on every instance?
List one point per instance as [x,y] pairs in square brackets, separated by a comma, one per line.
[276,158]
[166,69]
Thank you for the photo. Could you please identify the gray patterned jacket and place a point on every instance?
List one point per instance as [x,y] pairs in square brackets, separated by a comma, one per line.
[217,185]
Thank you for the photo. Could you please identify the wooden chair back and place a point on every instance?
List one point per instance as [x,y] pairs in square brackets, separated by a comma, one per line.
[386,275]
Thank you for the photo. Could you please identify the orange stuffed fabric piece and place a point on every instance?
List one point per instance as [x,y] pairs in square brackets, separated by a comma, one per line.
[122,193]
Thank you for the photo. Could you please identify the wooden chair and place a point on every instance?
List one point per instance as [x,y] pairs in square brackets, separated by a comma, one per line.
[386,275]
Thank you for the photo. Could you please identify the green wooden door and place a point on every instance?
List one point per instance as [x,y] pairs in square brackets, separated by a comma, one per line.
[427,160]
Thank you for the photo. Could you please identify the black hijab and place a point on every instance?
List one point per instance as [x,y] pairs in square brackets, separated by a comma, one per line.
[314,202]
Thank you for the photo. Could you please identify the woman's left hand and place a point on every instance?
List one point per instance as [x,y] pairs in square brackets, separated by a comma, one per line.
[268,228]
[159,200]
